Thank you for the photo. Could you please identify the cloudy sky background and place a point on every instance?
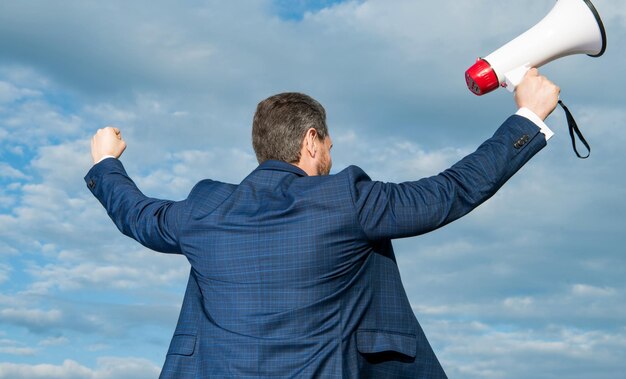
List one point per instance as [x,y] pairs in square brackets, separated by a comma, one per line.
[531,284]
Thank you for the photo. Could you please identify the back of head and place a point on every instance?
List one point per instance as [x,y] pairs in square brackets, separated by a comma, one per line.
[280,124]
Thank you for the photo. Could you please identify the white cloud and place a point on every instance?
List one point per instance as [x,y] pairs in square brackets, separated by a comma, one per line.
[33,318]
[128,273]
[593,291]
[23,351]
[10,92]
[118,367]
[5,272]
[107,368]
[6,171]
[111,315]
[390,158]
[68,370]
[183,169]
[98,347]
[594,308]
[518,303]
[12,347]
[492,351]
[34,121]
[54,341]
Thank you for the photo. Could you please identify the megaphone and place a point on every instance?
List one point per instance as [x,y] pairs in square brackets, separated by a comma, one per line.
[571,27]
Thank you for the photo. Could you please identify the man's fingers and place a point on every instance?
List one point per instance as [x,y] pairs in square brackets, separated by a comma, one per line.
[533,72]
[117,132]
[110,129]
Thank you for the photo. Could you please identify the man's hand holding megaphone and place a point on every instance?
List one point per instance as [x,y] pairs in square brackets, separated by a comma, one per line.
[571,27]
[537,93]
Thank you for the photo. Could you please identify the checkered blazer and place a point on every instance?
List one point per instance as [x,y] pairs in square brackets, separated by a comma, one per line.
[295,276]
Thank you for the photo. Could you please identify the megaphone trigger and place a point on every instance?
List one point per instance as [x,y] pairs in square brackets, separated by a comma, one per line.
[514,77]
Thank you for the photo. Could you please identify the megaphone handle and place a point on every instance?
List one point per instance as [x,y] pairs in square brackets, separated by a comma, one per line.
[514,77]
[573,128]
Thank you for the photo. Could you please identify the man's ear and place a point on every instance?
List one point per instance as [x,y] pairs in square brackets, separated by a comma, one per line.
[310,140]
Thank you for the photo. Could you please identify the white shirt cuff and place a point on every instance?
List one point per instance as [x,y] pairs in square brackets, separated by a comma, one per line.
[543,128]
[105,157]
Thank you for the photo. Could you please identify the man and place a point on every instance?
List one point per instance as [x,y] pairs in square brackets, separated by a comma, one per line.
[292,271]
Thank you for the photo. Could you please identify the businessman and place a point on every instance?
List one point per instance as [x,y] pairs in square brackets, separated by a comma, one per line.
[292,271]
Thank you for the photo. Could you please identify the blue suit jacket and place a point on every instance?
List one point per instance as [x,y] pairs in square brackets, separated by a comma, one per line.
[295,276]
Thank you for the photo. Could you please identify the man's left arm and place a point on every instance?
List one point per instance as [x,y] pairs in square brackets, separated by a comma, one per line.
[389,210]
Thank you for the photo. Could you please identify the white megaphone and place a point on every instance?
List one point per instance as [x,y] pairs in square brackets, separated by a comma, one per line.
[571,27]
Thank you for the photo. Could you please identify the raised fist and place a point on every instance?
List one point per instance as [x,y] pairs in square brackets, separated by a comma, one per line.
[107,142]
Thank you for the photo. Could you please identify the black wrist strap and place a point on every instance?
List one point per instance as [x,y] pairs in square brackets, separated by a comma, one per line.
[573,128]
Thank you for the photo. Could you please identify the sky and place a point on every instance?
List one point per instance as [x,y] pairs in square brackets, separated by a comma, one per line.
[531,284]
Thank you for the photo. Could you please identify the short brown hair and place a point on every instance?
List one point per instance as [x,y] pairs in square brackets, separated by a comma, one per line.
[280,124]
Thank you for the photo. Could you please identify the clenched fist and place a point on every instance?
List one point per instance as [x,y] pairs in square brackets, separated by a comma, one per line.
[537,93]
[107,142]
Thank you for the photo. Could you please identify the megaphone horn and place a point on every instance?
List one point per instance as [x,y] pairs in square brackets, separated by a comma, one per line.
[571,27]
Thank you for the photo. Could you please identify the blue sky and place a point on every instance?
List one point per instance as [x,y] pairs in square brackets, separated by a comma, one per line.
[531,284]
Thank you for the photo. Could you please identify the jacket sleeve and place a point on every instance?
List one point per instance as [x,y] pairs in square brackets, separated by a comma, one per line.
[389,210]
[152,222]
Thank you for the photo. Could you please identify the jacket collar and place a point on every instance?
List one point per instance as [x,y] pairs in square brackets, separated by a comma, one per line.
[281,166]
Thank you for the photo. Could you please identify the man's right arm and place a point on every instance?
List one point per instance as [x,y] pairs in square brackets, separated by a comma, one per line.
[152,222]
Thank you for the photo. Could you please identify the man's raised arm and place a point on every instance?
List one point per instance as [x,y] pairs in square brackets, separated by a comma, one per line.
[152,222]
[389,210]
